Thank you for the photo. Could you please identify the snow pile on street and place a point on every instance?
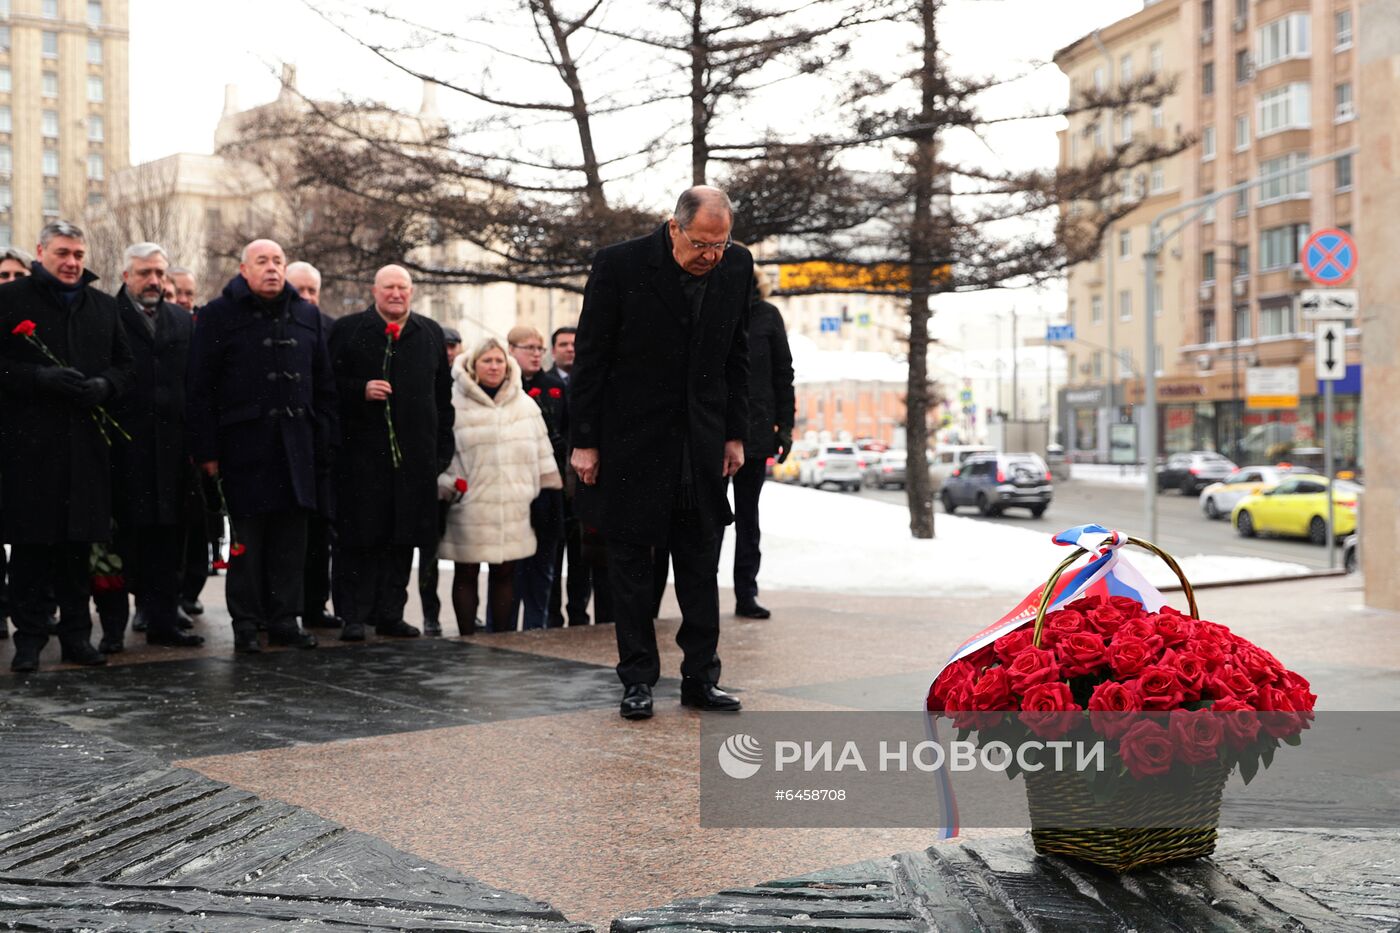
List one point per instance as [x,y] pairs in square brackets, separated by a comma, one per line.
[834,542]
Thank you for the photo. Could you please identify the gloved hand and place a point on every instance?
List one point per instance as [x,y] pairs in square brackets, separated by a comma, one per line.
[62,381]
[451,489]
[95,391]
[784,445]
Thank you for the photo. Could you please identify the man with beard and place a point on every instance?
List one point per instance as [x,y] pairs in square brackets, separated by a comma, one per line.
[396,437]
[63,357]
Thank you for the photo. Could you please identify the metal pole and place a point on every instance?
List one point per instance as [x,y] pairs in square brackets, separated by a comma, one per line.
[1148,432]
[1327,467]
[1015,372]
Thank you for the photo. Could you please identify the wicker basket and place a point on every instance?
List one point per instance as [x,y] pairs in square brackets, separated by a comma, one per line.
[1145,823]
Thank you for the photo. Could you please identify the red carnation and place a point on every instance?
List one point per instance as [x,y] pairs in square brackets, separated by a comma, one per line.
[24,329]
[237,550]
[1146,749]
[1032,666]
[1081,653]
[460,484]
[1160,688]
[1197,734]
[220,564]
[1110,706]
[556,393]
[393,330]
[1238,718]
[535,392]
[1049,710]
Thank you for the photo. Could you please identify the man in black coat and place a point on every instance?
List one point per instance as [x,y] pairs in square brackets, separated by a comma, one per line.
[260,413]
[151,471]
[772,409]
[534,575]
[389,364]
[55,449]
[658,413]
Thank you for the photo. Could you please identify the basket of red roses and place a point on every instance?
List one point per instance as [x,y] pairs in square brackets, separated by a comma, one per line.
[1178,703]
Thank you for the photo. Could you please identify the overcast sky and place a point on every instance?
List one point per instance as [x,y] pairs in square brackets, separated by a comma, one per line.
[183,53]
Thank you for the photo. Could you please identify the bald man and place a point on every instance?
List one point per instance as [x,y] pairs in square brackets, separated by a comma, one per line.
[261,415]
[388,498]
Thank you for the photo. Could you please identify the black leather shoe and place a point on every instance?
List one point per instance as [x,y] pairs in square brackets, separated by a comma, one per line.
[352,631]
[752,611]
[322,619]
[84,654]
[174,639]
[397,629]
[432,628]
[25,661]
[636,702]
[246,643]
[708,698]
[291,638]
[112,645]
[138,621]
[192,607]
[183,619]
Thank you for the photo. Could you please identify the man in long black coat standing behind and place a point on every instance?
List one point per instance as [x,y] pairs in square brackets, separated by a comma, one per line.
[390,369]
[659,413]
[260,415]
[54,455]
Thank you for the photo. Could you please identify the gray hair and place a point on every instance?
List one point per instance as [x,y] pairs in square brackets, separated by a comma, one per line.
[303,266]
[142,251]
[61,228]
[18,255]
[178,270]
[701,197]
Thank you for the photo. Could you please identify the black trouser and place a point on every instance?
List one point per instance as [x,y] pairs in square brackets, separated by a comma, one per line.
[556,587]
[39,573]
[4,586]
[428,585]
[316,580]
[265,581]
[373,582]
[748,485]
[631,570]
[586,578]
[151,564]
[195,549]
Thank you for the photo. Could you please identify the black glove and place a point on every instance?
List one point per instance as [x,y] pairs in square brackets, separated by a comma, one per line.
[61,381]
[784,445]
[94,392]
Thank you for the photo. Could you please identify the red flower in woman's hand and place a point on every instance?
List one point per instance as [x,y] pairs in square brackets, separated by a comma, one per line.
[535,392]
[556,393]
[237,550]
[220,564]
[460,485]
[393,330]
[24,329]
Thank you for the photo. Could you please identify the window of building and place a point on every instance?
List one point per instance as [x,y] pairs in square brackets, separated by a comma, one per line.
[7,160]
[49,9]
[1242,9]
[1279,246]
[1125,70]
[1125,363]
[50,162]
[94,51]
[5,12]
[94,89]
[50,44]
[1241,260]
[1154,58]
[1207,144]
[1095,303]
[1158,179]
[1125,127]
[1293,185]
[1241,203]
[50,202]
[7,119]
[1283,108]
[1208,78]
[94,12]
[1159,116]
[1157,302]
[50,84]
[1341,96]
[1283,39]
[1208,212]
[95,169]
[7,200]
[1207,14]
[96,129]
[1208,326]
[1125,244]
[49,123]
[5,80]
[1241,330]
[1125,305]
[1098,364]
[1100,78]
[1208,266]
[4,38]
[1069,314]
[1276,320]
[1242,133]
[1343,173]
[1341,22]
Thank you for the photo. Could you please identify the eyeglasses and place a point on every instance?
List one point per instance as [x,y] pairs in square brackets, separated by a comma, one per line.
[706,247]
[528,348]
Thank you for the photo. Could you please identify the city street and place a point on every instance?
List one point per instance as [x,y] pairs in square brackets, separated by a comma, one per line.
[1182,528]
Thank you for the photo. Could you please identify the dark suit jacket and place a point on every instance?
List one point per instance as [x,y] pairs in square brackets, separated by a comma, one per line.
[640,387]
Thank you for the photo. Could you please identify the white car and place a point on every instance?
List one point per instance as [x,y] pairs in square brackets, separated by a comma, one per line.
[948,457]
[836,464]
[1218,500]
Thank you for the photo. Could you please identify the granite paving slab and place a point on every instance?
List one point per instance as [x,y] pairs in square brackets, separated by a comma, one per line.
[96,835]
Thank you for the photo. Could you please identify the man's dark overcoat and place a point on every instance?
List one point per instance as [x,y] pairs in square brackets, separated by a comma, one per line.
[644,381]
[771,401]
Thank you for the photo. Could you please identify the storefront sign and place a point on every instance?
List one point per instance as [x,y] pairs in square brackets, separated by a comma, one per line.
[1181,390]
[1271,387]
[1084,397]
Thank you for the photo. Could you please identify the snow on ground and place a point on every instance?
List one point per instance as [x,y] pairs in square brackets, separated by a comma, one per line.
[832,542]
[1126,475]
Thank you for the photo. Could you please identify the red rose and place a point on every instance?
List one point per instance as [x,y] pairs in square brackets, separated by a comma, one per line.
[1146,749]
[1128,655]
[1008,646]
[535,392]
[1081,653]
[1190,671]
[982,658]
[1261,666]
[1049,710]
[1058,625]
[1032,666]
[1174,629]
[1230,681]
[392,331]
[1197,734]
[954,677]
[1238,718]
[1142,628]
[1110,706]
[1298,691]
[237,550]
[1159,688]
[1211,651]
[1105,620]
[1129,607]
[220,564]
[992,691]
[24,329]
[1277,714]
[556,393]
[459,484]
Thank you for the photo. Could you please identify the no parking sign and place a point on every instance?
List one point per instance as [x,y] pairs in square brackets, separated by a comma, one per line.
[1329,256]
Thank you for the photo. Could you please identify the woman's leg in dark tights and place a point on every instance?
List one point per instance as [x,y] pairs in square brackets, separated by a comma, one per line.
[464,598]
[501,592]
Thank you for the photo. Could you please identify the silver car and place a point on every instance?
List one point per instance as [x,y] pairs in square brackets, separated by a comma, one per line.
[835,464]
[885,470]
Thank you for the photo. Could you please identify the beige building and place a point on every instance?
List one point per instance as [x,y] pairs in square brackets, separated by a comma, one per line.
[63,110]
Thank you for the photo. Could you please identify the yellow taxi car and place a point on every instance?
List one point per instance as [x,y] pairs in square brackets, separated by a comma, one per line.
[789,471]
[1297,508]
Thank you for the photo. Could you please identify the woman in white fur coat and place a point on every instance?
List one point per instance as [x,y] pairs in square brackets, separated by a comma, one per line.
[503,460]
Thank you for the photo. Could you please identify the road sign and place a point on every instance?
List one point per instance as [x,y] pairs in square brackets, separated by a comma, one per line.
[831,325]
[1331,350]
[1268,387]
[1329,256]
[1329,304]
[1058,333]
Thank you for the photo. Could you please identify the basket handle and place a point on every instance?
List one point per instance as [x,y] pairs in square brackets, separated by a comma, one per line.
[1078,552]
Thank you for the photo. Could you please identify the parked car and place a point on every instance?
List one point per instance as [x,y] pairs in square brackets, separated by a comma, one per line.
[886,469]
[1191,472]
[993,482]
[1218,500]
[948,457]
[1350,557]
[1297,508]
[790,470]
[831,463]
